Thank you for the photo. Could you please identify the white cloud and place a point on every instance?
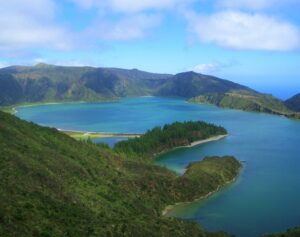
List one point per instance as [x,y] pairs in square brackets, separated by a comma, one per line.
[138,5]
[131,6]
[239,30]
[210,68]
[207,68]
[131,27]
[132,19]
[253,4]
[30,24]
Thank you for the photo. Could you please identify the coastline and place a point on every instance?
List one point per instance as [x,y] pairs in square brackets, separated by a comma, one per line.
[168,208]
[93,135]
[212,139]
[12,109]
[193,144]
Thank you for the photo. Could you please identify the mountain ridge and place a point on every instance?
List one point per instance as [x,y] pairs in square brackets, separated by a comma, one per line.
[51,83]
[293,103]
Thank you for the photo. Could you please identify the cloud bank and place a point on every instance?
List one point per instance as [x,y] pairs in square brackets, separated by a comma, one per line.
[236,24]
[30,24]
[240,30]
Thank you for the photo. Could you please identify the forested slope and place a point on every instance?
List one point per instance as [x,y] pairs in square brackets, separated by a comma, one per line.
[52,185]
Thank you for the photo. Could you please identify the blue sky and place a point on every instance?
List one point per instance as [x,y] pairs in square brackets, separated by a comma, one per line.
[252,42]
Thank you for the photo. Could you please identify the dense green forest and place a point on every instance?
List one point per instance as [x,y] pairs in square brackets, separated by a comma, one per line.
[164,138]
[53,185]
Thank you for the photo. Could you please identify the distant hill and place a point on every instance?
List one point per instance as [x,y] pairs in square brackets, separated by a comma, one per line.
[53,185]
[200,88]
[191,84]
[245,100]
[49,83]
[294,103]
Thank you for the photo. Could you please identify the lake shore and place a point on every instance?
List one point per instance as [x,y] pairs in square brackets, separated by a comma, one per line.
[212,139]
[12,109]
[92,135]
[193,144]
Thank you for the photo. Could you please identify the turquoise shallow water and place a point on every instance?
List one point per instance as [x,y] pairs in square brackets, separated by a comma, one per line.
[266,196]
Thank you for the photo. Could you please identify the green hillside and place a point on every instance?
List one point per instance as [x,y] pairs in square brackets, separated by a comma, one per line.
[49,83]
[245,100]
[53,185]
[294,103]
[191,84]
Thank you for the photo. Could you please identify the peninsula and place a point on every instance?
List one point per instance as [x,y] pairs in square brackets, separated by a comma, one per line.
[53,185]
[171,136]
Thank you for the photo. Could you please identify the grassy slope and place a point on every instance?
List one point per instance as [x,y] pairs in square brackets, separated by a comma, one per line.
[293,103]
[245,100]
[191,84]
[52,185]
[209,174]
[49,83]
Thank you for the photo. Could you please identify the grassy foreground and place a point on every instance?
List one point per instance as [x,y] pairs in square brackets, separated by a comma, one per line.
[53,185]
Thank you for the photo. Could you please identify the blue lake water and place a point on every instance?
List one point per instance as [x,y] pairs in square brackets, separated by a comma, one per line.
[265,198]
[110,141]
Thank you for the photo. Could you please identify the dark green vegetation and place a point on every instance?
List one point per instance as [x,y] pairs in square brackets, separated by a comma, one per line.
[53,185]
[248,101]
[295,232]
[169,136]
[49,83]
[294,103]
[210,174]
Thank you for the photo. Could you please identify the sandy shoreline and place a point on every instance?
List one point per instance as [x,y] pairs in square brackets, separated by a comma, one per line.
[215,138]
[74,133]
[193,144]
